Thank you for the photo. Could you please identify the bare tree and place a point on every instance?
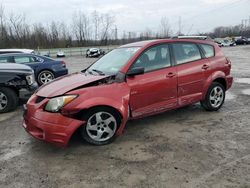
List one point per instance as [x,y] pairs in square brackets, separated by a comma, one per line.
[107,22]
[18,28]
[2,27]
[165,29]
[81,27]
[96,19]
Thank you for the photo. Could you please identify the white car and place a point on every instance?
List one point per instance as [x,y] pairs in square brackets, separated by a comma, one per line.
[7,51]
[60,54]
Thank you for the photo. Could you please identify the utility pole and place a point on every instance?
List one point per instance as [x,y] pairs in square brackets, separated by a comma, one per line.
[246,23]
[179,33]
[116,33]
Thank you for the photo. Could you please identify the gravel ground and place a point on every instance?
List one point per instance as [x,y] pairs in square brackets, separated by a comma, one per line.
[188,147]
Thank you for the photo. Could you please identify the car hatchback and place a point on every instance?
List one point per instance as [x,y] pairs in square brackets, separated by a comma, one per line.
[132,81]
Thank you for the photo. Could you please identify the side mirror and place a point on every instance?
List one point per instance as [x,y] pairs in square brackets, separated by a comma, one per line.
[135,71]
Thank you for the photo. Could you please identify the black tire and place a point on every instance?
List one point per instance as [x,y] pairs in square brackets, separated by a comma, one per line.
[207,102]
[10,96]
[39,77]
[84,132]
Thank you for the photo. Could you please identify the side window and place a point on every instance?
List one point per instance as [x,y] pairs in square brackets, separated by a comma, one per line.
[186,52]
[154,58]
[208,49]
[37,59]
[24,59]
[4,60]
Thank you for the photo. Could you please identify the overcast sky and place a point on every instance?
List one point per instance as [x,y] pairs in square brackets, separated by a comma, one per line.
[137,15]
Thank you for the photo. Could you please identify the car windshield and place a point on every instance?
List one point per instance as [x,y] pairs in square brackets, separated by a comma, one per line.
[112,62]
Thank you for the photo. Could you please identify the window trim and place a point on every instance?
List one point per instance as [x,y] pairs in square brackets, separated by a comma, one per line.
[196,44]
[155,45]
[203,51]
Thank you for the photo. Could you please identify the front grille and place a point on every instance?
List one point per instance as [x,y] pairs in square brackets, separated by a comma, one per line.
[39,99]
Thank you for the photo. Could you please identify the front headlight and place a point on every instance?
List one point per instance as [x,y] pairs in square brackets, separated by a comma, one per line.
[30,79]
[55,104]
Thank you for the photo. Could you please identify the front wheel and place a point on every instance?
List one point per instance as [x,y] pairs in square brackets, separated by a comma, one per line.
[101,126]
[214,98]
[8,100]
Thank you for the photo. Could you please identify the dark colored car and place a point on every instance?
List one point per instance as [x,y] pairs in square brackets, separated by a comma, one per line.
[132,81]
[241,41]
[45,68]
[94,52]
[16,82]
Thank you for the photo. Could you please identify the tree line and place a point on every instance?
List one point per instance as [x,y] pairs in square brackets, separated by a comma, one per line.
[84,30]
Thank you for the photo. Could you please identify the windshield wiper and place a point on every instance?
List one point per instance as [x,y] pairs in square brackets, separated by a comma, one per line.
[98,71]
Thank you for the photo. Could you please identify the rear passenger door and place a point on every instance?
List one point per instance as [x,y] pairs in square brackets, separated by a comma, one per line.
[191,70]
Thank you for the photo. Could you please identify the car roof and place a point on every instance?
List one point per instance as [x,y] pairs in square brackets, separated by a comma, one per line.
[17,50]
[18,54]
[157,41]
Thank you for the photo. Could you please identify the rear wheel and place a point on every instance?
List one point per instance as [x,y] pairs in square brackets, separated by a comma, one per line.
[8,100]
[214,98]
[45,77]
[101,126]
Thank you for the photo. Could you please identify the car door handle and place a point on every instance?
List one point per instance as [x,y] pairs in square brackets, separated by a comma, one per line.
[170,75]
[205,66]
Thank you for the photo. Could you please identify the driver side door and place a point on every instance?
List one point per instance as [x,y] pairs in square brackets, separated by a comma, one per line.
[156,89]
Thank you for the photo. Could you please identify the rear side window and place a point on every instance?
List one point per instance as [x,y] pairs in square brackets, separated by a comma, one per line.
[186,52]
[208,49]
[4,60]
[24,59]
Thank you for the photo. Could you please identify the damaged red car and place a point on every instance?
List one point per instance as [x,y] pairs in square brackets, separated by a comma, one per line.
[132,81]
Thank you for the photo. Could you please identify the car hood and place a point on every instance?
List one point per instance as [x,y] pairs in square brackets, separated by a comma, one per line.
[16,68]
[67,83]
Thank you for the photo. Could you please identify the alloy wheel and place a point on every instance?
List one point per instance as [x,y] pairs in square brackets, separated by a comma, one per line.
[216,97]
[3,101]
[46,77]
[101,126]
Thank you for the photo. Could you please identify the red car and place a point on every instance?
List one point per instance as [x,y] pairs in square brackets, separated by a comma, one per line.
[132,81]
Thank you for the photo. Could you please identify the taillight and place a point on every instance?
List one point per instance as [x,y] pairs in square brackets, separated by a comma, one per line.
[63,63]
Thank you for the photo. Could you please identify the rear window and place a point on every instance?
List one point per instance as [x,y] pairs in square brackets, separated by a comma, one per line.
[208,49]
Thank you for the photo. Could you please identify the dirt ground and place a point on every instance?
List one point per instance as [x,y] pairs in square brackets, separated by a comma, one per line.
[188,147]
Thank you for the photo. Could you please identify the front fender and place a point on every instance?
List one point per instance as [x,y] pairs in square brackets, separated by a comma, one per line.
[114,95]
[209,81]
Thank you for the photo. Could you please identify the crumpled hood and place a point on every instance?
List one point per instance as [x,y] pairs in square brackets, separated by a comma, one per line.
[67,83]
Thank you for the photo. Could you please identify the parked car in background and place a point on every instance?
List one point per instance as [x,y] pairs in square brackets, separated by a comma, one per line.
[16,82]
[6,51]
[241,41]
[94,52]
[60,54]
[132,81]
[224,42]
[45,68]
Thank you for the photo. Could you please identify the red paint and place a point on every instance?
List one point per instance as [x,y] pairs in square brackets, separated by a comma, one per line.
[150,93]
